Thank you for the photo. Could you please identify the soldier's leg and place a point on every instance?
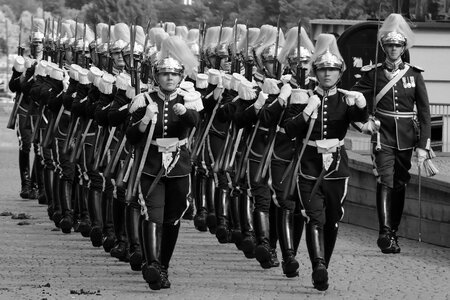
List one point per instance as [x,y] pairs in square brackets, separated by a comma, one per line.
[246,219]
[384,162]
[132,220]
[175,205]
[261,194]
[24,137]
[223,232]
[200,200]
[108,215]
[315,240]
[211,194]
[120,249]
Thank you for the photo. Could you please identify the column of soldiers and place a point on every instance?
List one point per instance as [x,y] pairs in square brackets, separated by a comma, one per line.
[134,129]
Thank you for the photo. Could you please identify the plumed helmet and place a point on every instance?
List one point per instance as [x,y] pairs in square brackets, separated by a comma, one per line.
[121,37]
[181,31]
[66,33]
[251,35]
[326,53]
[174,58]
[395,30]
[169,27]
[290,48]
[37,32]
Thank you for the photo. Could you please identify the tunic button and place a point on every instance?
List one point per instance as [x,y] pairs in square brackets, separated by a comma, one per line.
[396,98]
[325,99]
[324,133]
[395,91]
[165,120]
[325,112]
[166,115]
[165,127]
[166,108]
[325,119]
[325,126]
[396,104]
[325,106]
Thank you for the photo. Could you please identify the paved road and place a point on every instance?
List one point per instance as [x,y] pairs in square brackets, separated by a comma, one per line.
[38,262]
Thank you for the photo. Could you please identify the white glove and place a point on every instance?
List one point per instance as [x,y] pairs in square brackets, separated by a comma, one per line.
[270,86]
[354,97]
[217,93]
[421,156]
[150,111]
[313,104]
[285,92]
[179,109]
[29,62]
[259,103]
[372,126]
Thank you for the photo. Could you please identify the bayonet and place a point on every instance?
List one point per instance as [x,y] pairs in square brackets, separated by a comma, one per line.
[277,41]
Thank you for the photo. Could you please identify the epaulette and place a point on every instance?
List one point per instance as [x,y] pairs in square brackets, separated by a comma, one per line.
[367,68]
[415,67]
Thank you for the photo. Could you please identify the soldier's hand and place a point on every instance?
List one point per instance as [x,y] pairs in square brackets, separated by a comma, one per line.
[150,111]
[259,103]
[217,93]
[285,93]
[179,109]
[313,104]
[372,126]
[354,97]
[421,156]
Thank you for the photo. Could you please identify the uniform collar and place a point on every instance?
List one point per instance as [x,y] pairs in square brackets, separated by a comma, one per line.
[393,66]
[329,92]
[163,96]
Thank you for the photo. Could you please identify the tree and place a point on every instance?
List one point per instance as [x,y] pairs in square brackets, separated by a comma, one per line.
[55,7]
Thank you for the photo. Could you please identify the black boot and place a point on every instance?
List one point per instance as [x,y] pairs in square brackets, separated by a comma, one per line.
[24,168]
[274,262]
[169,240]
[211,195]
[132,216]
[316,249]
[223,233]
[248,235]
[189,213]
[48,180]
[65,198]
[200,204]
[262,250]
[76,207]
[85,221]
[397,204]
[152,236]
[285,227]
[109,238]
[330,233]
[119,250]
[236,231]
[299,223]
[95,213]
[386,240]
[57,211]
[40,182]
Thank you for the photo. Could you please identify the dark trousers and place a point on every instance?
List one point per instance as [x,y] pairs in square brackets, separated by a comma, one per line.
[391,166]
[260,191]
[326,206]
[277,171]
[168,201]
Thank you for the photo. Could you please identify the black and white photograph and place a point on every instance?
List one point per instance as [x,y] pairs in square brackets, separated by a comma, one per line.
[224,149]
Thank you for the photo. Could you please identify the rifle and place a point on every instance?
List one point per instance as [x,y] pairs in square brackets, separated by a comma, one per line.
[74,50]
[248,64]
[234,61]
[110,59]
[18,99]
[201,41]
[217,66]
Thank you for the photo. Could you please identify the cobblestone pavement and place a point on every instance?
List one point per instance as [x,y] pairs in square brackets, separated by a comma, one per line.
[38,262]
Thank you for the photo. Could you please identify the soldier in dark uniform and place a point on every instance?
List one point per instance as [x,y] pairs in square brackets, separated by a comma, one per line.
[289,217]
[21,82]
[321,123]
[171,116]
[402,129]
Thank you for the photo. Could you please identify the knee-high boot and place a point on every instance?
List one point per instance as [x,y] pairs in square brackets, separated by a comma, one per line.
[152,236]
[223,232]
[397,205]
[48,179]
[85,221]
[169,240]
[273,235]
[25,174]
[76,207]
[57,213]
[109,238]
[120,249]
[200,203]
[262,233]
[39,169]
[211,195]
[316,249]
[299,223]
[248,235]
[132,220]
[236,231]
[65,198]
[95,213]
[189,214]
[386,240]
[285,227]
[330,232]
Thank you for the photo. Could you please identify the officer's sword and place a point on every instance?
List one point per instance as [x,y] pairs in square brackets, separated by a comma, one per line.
[420,204]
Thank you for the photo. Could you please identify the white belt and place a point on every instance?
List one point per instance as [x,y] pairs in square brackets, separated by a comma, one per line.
[178,144]
[314,144]
[263,128]
[396,114]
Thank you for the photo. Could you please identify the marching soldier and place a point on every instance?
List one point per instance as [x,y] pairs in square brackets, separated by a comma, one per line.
[162,119]
[399,86]
[321,123]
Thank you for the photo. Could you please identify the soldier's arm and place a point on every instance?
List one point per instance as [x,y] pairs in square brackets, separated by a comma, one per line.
[423,112]
[134,135]
[295,123]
